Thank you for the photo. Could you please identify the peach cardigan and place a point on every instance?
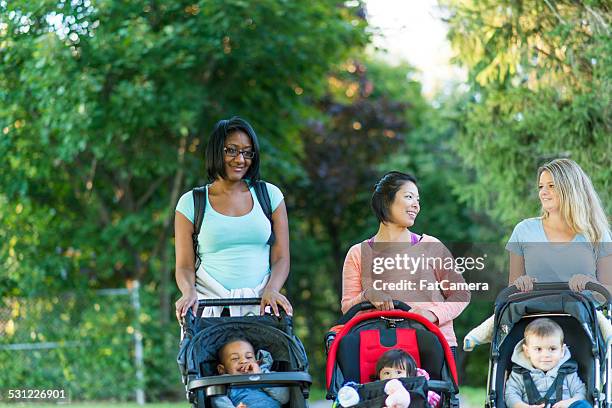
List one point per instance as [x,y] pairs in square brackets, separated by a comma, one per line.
[445,310]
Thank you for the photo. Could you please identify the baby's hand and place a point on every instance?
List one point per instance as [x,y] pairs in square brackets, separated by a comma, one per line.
[250,368]
[242,405]
[433,398]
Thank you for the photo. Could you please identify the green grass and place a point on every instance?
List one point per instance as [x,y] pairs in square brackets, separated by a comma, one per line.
[98,405]
[317,394]
[472,397]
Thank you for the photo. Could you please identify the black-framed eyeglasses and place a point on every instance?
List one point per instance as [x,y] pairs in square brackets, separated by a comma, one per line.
[233,152]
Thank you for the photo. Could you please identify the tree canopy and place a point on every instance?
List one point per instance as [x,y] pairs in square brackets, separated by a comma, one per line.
[540,88]
[105,107]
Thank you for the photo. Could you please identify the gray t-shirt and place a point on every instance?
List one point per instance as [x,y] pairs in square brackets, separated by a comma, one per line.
[556,261]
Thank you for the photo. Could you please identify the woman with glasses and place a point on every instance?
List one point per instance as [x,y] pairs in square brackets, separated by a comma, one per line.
[239,257]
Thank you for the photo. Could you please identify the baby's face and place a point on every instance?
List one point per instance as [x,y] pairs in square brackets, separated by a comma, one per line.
[544,353]
[388,373]
[238,357]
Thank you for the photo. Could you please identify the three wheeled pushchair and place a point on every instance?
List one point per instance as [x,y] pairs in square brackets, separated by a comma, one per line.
[357,341]
[575,312]
[203,336]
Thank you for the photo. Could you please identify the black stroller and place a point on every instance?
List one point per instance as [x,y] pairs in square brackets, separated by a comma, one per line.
[354,345]
[574,312]
[202,337]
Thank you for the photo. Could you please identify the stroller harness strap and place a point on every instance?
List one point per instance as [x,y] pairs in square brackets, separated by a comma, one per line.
[372,346]
[533,395]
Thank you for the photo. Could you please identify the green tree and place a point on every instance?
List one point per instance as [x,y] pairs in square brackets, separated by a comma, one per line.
[104,108]
[356,126]
[540,84]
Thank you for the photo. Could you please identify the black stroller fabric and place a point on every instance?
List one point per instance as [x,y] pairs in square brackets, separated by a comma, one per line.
[574,312]
[359,343]
[198,354]
[372,395]
[203,337]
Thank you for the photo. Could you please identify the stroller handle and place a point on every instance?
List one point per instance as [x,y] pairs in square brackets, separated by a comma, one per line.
[228,302]
[558,286]
[360,307]
[202,303]
[189,319]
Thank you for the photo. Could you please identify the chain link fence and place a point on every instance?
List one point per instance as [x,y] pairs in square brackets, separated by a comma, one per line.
[86,345]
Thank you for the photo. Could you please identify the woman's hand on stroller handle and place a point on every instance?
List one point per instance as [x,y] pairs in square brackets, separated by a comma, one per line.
[578,282]
[380,300]
[589,284]
[274,299]
[367,305]
[426,314]
[524,283]
[187,301]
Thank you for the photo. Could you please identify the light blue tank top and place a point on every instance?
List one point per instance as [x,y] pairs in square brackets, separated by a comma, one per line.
[234,250]
[555,261]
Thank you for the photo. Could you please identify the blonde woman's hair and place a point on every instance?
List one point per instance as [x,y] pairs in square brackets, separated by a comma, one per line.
[579,204]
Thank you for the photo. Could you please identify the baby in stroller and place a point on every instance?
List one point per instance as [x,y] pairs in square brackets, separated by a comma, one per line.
[396,363]
[369,351]
[483,333]
[238,346]
[575,314]
[237,356]
[543,374]
[393,365]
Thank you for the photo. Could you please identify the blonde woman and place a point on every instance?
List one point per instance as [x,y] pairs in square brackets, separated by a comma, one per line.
[574,222]
[570,241]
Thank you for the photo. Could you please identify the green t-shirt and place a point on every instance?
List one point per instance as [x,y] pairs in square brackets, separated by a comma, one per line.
[234,250]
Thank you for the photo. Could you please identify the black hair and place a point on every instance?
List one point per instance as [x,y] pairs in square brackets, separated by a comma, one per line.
[397,358]
[384,193]
[215,163]
[232,339]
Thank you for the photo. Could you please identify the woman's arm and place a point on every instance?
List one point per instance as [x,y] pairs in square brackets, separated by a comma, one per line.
[517,267]
[455,301]
[603,276]
[351,279]
[352,287]
[604,272]
[603,268]
[185,265]
[279,263]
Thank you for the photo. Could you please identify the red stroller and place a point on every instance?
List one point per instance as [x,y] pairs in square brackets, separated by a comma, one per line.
[354,345]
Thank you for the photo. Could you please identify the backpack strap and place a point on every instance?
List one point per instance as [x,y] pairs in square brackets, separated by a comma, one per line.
[199,207]
[261,192]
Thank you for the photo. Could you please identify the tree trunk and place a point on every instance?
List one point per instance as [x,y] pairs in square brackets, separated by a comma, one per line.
[338,257]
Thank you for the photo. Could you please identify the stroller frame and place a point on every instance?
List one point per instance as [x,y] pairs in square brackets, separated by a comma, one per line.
[512,295]
[350,321]
[199,389]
